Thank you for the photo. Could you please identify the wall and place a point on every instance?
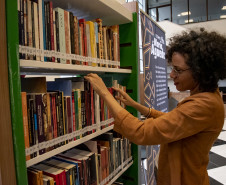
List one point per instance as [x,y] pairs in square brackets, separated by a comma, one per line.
[216,25]
[171,29]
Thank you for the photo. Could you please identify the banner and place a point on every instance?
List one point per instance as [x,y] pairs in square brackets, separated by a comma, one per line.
[155,79]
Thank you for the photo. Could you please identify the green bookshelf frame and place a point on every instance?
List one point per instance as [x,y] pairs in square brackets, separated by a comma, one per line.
[15,89]
[129,48]
[128,35]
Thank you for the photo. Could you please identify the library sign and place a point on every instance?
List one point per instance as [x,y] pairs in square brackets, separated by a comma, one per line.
[155,78]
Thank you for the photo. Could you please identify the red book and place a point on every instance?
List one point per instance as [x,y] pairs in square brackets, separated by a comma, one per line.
[51,28]
[69,115]
[58,174]
[73,113]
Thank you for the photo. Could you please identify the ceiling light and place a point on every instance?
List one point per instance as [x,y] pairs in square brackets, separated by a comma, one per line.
[223,8]
[223,16]
[190,20]
[184,13]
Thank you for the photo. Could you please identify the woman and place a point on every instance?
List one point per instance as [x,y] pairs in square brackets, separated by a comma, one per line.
[187,133]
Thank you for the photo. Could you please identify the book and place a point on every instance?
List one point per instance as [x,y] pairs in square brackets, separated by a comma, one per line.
[92,163]
[76,39]
[72,34]
[51,26]
[83,39]
[35,177]
[36,30]
[76,169]
[70,169]
[67,34]
[47,180]
[60,22]
[83,163]
[25,121]
[40,23]
[58,174]
[108,137]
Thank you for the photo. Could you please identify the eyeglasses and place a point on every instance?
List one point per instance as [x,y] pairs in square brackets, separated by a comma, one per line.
[178,71]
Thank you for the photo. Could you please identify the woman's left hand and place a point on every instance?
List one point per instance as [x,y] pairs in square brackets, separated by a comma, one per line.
[97,84]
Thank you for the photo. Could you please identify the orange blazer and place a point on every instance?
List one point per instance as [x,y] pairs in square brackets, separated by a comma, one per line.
[186,135]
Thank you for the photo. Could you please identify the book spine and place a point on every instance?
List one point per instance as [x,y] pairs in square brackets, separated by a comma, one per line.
[33,26]
[61,111]
[57,34]
[75,96]
[61,33]
[69,115]
[67,34]
[30,43]
[76,37]
[73,113]
[45,117]
[83,110]
[33,120]
[82,26]
[40,21]
[54,33]
[72,34]
[65,117]
[51,29]
[36,29]
[25,121]
[39,110]
[44,26]
[49,120]
[30,129]
[25,26]
[54,119]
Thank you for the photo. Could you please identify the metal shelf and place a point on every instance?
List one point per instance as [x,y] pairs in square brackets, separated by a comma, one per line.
[110,11]
[50,68]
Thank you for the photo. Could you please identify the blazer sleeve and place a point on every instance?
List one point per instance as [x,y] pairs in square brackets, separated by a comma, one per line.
[189,118]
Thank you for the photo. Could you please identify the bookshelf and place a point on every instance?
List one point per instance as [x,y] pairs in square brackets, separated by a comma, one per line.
[28,66]
[112,13]
[66,147]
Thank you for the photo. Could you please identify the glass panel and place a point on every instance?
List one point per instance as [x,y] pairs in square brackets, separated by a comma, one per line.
[198,10]
[154,3]
[164,13]
[180,11]
[152,13]
[216,9]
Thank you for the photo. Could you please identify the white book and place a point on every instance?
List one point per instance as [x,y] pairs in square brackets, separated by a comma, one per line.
[61,33]
[88,42]
[54,30]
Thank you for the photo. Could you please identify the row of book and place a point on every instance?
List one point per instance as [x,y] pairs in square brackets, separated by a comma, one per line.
[43,27]
[95,162]
[61,111]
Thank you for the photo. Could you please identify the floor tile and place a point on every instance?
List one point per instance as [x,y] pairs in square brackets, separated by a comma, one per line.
[218,174]
[224,127]
[219,142]
[222,136]
[214,182]
[220,150]
[215,161]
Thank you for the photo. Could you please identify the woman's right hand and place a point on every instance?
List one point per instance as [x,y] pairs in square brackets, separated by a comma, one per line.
[124,97]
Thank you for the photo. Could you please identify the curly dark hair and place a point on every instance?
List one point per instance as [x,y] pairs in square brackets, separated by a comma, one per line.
[205,54]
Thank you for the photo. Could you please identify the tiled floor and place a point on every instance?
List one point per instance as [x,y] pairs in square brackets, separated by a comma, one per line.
[217,163]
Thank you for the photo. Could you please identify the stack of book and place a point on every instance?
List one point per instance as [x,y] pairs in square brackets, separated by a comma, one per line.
[92,163]
[58,112]
[58,36]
